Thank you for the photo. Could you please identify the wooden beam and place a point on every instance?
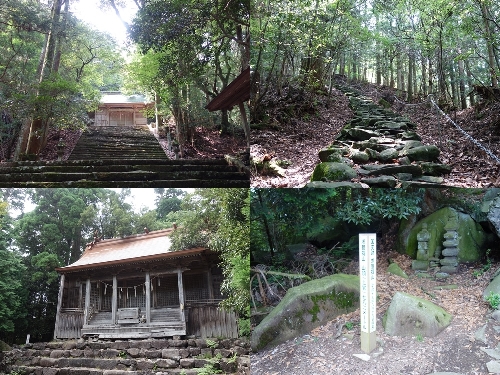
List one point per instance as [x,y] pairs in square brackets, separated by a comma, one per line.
[148,298]
[59,304]
[181,294]
[87,303]
[114,300]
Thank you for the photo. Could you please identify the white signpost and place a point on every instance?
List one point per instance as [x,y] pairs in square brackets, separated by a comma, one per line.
[368,290]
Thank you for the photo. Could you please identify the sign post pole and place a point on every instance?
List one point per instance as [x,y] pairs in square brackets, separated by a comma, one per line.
[368,290]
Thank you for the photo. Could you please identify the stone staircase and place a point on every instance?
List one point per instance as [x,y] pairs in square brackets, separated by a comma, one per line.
[117,143]
[133,357]
[193,173]
[377,148]
[115,156]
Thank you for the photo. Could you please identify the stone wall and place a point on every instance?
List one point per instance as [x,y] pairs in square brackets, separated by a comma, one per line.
[159,357]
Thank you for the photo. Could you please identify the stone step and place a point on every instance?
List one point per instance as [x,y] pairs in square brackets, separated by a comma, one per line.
[191,183]
[379,148]
[117,168]
[120,176]
[115,162]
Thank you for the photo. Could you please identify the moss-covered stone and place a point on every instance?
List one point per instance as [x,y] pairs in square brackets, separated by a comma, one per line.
[423,153]
[305,307]
[333,172]
[471,237]
[408,315]
[396,270]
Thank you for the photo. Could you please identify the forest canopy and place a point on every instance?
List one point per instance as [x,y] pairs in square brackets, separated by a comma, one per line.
[54,66]
[444,48]
[54,233]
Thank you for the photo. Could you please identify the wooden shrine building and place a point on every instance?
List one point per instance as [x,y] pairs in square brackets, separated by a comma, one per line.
[116,109]
[136,287]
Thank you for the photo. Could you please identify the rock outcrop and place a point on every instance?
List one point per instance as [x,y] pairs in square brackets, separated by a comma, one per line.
[471,238]
[305,307]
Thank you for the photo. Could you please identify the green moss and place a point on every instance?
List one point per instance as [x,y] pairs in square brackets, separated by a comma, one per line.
[342,300]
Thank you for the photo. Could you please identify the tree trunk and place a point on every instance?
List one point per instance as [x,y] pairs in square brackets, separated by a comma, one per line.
[410,78]
[34,134]
[424,76]
[60,39]
[489,43]
[399,72]
[470,83]
[461,75]
[454,96]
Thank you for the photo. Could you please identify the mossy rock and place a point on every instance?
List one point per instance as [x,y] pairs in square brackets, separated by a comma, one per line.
[396,270]
[408,315]
[325,153]
[435,169]
[359,157]
[330,171]
[4,347]
[471,237]
[423,153]
[306,307]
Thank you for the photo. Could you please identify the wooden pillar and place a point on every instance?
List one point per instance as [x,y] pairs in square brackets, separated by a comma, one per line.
[181,294]
[210,285]
[80,295]
[87,303]
[59,304]
[148,298]
[114,300]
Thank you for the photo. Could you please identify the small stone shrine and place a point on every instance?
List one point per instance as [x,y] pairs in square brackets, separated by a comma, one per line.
[422,261]
[449,263]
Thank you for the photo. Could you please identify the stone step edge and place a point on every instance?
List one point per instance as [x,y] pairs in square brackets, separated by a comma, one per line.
[219,161]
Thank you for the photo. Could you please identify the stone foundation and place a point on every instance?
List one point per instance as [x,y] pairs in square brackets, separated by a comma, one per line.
[159,357]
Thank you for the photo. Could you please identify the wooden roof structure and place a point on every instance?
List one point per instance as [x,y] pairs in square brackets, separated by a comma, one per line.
[139,248]
[238,91]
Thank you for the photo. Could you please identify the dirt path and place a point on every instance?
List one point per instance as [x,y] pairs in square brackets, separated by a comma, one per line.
[454,350]
[298,143]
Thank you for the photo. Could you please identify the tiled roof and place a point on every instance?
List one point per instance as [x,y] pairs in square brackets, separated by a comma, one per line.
[124,250]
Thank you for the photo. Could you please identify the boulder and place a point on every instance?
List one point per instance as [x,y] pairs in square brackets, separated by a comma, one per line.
[333,172]
[306,307]
[471,237]
[423,153]
[408,315]
[494,215]
[493,286]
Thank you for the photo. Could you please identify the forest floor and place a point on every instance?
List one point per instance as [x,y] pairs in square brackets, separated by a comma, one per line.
[331,348]
[206,144]
[296,142]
